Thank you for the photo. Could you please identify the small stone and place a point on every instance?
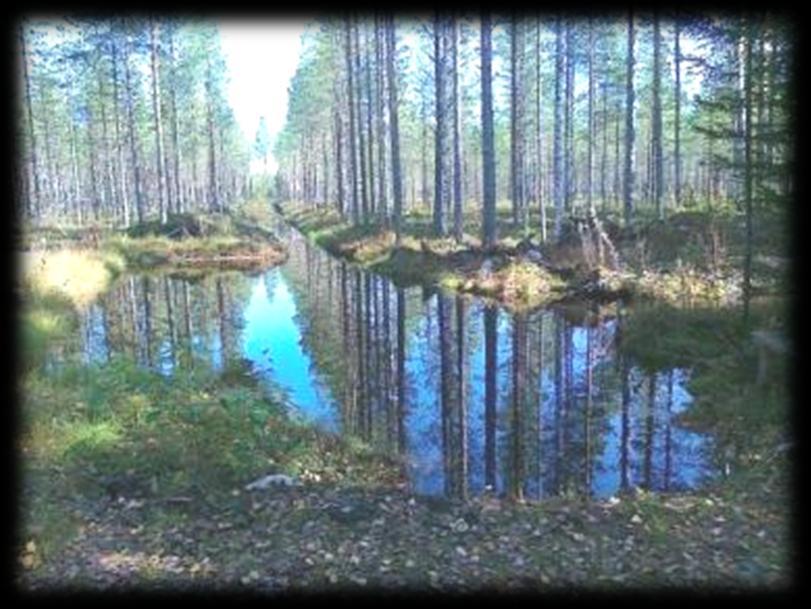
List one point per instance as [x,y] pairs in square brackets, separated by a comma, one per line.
[636,519]
[461,551]
[460,526]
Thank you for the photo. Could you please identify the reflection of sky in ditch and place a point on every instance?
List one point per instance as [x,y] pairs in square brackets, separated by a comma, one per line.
[272,341]
[269,335]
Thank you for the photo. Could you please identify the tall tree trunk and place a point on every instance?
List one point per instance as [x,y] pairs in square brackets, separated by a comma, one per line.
[747,267]
[628,190]
[369,121]
[91,150]
[353,165]
[35,202]
[457,136]
[558,131]
[604,155]
[538,142]
[109,192]
[657,118]
[488,139]
[179,203]
[136,168]
[123,194]
[514,93]
[677,116]
[441,125]
[214,195]
[569,186]
[394,132]
[383,199]
[590,161]
[361,136]
[426,191]
[156,110]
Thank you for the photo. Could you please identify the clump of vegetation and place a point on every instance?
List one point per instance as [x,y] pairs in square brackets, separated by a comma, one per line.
[517,281]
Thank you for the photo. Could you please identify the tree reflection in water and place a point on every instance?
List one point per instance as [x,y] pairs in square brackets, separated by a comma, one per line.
[473,398]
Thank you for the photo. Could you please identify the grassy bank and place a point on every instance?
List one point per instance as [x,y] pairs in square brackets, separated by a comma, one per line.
[693,258]
[240,239]
[421,259]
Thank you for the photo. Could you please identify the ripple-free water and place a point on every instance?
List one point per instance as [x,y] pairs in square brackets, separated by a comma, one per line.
[567,413]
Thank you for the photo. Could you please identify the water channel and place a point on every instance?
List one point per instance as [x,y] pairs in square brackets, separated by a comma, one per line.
[471,397]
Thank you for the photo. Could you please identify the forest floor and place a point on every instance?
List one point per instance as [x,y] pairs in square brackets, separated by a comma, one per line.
[323,537]
[692,257]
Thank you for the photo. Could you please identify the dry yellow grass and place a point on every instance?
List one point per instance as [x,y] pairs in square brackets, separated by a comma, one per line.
[78,275]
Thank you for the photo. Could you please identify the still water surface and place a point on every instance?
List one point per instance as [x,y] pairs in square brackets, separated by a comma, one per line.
[470,396]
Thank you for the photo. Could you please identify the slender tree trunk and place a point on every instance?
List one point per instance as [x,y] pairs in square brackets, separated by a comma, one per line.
[383,198]
[538,141]
[352,147]
[569,185]
[361,136]
[426,192]
[457,136]
[514,94]
[441,125]
[677,116]
[35,202]
[747,268]
[123,194]
[658,175]
[156,109]
[488,139]
[396,176]
[369,121]
[179,203]
[628,191]
[558,169]
[604,155]
[136,168]
[590,161]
